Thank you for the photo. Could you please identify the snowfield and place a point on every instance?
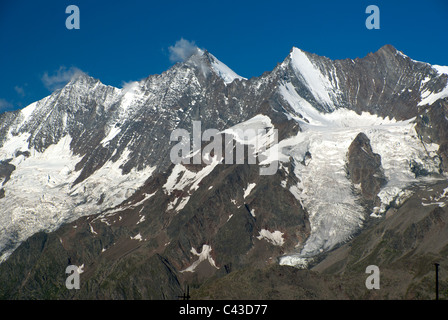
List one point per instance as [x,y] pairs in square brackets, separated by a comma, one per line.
[40,195]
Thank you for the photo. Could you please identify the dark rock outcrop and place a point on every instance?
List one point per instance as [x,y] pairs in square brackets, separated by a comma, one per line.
[5,170]
[364,167]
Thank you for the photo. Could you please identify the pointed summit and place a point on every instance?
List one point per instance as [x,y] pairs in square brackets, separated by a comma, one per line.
[387,52]
[222,70]
[81,78]
[387,49]
[204,59]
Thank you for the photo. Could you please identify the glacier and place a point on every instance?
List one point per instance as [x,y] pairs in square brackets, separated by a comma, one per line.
[335,211]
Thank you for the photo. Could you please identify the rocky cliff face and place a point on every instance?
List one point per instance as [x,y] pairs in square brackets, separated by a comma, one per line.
[87,177]
[364,167]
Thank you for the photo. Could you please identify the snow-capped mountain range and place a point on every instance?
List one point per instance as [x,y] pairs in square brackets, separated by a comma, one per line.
[92,151]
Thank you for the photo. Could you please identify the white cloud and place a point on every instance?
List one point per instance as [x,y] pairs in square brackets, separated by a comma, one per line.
[20,91]
[182,50]
[128,86]
[4,104]
[59,78]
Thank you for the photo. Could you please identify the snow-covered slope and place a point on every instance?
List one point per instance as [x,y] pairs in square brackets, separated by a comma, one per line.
[428,96]
[227,74]
[322,88]
[80,150]
[41,194]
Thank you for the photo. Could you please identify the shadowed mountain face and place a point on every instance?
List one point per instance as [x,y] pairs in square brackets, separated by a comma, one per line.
[87,175]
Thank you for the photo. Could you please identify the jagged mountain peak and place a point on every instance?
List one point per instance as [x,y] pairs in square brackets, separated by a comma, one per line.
[387,49]
[206,62]
[82,79]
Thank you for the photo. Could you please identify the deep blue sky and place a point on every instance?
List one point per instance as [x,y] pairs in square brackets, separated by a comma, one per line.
[121,41]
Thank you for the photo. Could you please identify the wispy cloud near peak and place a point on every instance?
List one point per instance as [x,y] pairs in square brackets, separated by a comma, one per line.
[182,50]
[4,105]
[60,77]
